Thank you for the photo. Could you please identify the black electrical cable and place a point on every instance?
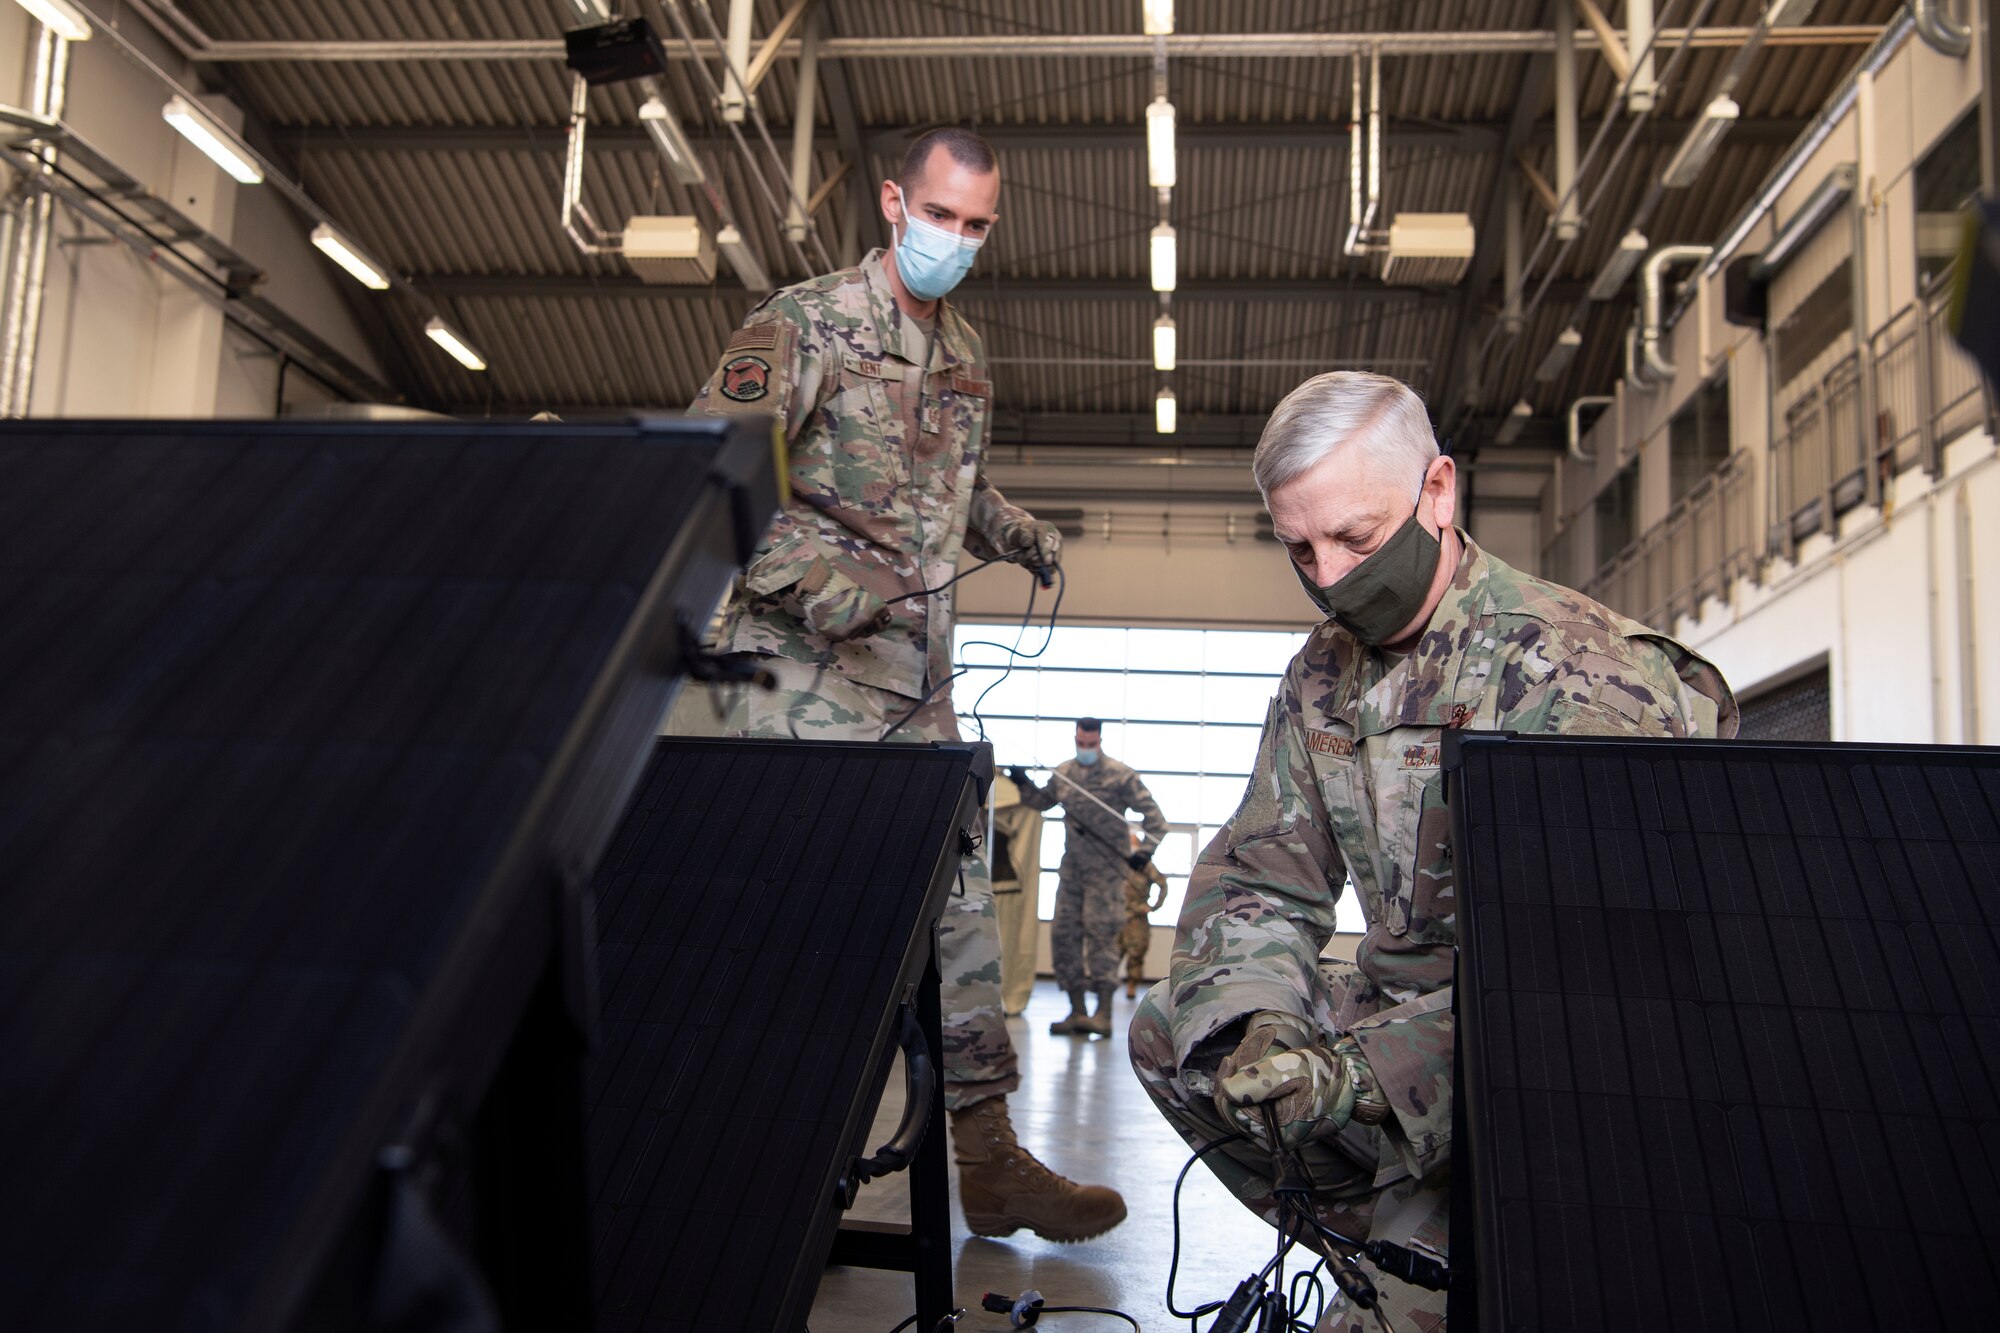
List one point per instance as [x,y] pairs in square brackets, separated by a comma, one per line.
[1092,1309]
[949,1321]
[1174,1264]
[963,573]
[1014,653]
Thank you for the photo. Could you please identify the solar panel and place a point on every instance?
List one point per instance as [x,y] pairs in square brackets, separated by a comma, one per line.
[762,911]
[300,726]
[1730,1021]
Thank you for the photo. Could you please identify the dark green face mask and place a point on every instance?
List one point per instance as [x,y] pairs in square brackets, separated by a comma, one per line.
[1386,591]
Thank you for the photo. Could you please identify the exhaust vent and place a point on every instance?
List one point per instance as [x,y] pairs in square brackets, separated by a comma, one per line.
[672,251]
[1428,249]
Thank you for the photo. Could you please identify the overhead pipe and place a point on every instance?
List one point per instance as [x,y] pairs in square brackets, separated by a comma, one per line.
[1044,46]
[1576,424]
[1644,88]
[805,110]
[809,264]
[1354,164]
[1374,137]
[1940,31]
[1361,212]
[1877,58]
[1649,302]
[577,224]
[1475,356]
[1568,221]
[1635,368]
[28,261]
[1510,256]
[735,91]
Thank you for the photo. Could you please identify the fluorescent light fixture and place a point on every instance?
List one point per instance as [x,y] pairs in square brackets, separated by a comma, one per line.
[1164,258]
[447,337]
[1618,268]
[1163,343]
[1160,144]
[1561,353]
[1717,118]
[1158,17]
[1165,412]
[60,17]
[222,147]
[343,252]
[664,126]
[743,259]
[1826,199]
[1510,429]
[1788,13]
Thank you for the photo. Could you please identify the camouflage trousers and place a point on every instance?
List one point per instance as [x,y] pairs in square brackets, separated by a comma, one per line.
[1083,937]
[1134,941]
[1361,1186]
[978,1055]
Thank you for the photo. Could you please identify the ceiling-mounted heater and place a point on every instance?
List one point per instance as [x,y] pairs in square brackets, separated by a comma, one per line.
[670,251]
[1428,249]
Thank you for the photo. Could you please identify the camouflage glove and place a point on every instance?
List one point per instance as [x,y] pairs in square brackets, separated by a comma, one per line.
[1031,542]
[1313,1090]
[837,607]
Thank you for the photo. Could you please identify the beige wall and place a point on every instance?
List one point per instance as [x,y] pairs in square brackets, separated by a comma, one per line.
[118,336]
[1192,575]
[1902,602]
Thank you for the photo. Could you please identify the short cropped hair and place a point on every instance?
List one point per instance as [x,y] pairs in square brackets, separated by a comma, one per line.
[1089,724]
[1375,416]
[966,148]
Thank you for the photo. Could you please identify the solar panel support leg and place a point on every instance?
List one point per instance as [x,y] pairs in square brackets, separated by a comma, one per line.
[924,1251]
[930,1182]
[532,1220]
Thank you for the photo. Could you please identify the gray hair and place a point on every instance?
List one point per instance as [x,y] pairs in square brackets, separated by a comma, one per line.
[1379,418]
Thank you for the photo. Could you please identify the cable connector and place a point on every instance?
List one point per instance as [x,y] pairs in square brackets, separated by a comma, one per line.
[1400,1261]
[1021,1311]
[1244,1305]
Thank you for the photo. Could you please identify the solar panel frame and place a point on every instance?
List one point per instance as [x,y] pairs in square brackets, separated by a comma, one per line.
[728,1101]
[1729,1018]
[215,560]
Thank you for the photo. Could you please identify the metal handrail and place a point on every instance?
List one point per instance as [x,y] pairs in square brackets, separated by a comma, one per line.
[1927,392]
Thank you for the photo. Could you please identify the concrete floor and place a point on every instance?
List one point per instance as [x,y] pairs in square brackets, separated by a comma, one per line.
[1081,1111]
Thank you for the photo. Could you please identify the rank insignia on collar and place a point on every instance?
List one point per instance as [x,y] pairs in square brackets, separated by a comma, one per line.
[746,379]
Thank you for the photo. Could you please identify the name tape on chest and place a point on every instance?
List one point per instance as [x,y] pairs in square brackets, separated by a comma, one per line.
[1325,742]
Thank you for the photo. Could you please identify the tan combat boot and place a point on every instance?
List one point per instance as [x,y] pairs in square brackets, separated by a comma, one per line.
[1077,1023]
[1003,1188]
[1099,1023]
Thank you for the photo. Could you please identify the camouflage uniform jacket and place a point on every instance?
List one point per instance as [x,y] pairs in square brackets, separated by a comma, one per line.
[1103,839]
[887,468]
[1346,787]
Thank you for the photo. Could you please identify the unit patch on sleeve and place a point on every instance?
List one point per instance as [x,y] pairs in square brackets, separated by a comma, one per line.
[746,379]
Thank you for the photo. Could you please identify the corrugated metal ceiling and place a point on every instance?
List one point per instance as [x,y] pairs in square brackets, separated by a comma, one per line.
[1246,213]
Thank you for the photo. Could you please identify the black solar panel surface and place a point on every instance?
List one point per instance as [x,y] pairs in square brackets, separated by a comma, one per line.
[1733,1033]
[755,913]
[272,701]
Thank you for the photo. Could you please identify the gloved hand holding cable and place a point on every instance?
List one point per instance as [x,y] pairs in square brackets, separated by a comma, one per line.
[1312,1088]
[1031,542]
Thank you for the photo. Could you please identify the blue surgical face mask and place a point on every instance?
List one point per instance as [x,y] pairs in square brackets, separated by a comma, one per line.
[1086,757]
[930,260]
